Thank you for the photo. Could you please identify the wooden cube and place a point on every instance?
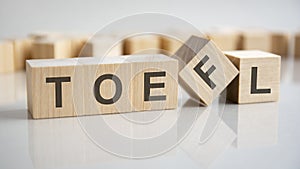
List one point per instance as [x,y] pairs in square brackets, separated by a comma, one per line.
[6,57]
[86,86]
[157,79]
[207,71]
[280,42]
[22,51]
[297,46]
[102,46]
[259,77]
[274,42]
[256,40]
[142,44]
[226,40]
[52,48]
[42,35]
[170,45]
[77,44]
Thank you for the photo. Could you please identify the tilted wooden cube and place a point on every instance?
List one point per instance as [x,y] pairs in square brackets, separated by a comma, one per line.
[259,77]
[90,85]
[6,57]
[207,71]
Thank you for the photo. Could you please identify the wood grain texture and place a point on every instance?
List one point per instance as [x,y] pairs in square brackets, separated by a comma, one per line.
[6,57]
[79,95]
[266,78]
[161,71]
[218,70]
[142,44]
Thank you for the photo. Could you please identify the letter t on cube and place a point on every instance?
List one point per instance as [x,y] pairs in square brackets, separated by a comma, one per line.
[207,71]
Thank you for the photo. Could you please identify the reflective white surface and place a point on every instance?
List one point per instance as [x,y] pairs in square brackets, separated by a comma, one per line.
[264,135]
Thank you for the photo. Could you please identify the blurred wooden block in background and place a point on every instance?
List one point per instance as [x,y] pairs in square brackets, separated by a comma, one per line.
[100,46]
[51,48]
[6,57]
[142,44]
[91,85]
[170,45]
[22,51]
[207,71]
[40,35]
[280,43]
[259,77]
[268,41]
[297,46]
[77,44]
[226,40]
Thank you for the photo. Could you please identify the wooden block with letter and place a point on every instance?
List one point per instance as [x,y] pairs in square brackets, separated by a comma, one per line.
[90,85]
[6,57]
[297,46]
[52,48]
[22,51]
[259,77]
[155,80]
[207,71]
[142,44]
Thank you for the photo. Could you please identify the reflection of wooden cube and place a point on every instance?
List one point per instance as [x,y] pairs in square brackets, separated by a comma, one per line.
[256,125]
[51,48]
[6,57]
[297,46]
[22,52]
[226,40]
[208,71]
[259,77]
[85,86]
[275,42]
[142,44]
[8,88]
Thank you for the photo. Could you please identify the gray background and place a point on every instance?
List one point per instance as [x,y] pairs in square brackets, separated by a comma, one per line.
[19,17]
